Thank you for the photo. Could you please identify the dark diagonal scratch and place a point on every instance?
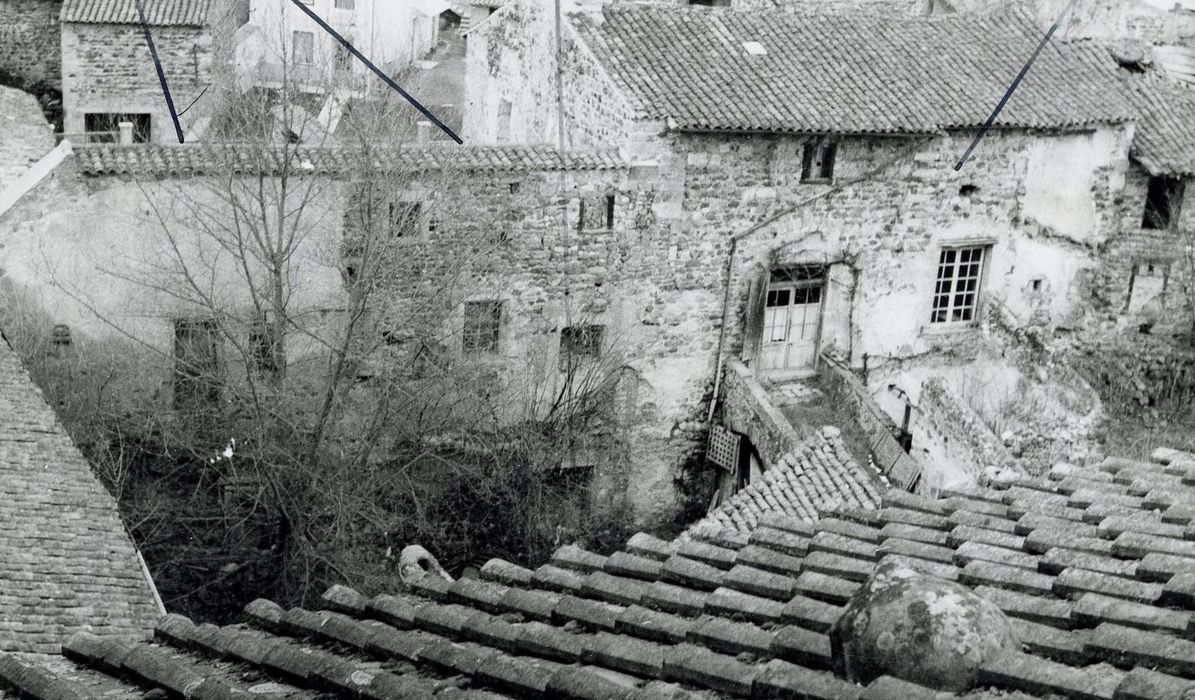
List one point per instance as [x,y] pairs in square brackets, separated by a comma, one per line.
[153,51]
[1015,83]
[377,71]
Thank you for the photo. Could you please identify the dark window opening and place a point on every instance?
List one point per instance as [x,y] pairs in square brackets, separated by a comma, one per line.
[968,190]
[710,3]
[1162,200]
[404,219]
[264,347]
[196,363]
[105,128]
[343,60]
[483,321]
[597,214]
[817,162]
[579,342]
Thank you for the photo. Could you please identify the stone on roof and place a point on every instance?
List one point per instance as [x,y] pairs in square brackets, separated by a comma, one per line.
[66,562]
[152,160]
[846,73]
[183,13]
[820,477]
[688,619]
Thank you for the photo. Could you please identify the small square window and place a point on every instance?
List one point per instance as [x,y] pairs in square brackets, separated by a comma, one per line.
[597,214]
[345,4]
[1163,198]
[483,321]
[817,162]
[956,290]
[578,343]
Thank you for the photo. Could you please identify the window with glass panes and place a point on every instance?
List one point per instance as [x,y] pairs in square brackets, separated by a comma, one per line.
[956,291]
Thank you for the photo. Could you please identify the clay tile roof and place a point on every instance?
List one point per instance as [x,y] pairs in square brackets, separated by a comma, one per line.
[1165,138]
[185,13]
[820,477]
[66,562]
[1096,573]
[151,160]
[845,73]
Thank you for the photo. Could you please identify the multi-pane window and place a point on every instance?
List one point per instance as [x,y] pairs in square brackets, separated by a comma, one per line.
[956,291]
[483,321]
[1162,200]
[817,162]
[196,362]
[578,342]
[304,47]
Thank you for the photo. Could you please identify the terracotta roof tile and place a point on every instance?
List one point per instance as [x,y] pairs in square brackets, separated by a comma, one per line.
[192,13]
[695,619]
[153,160]
[846,73]
[65,559]
[1165,139]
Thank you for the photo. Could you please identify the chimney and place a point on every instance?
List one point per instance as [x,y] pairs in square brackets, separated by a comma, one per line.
[423,132]
[126,133]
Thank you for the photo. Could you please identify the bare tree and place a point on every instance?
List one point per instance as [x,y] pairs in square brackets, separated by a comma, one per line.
[310,429]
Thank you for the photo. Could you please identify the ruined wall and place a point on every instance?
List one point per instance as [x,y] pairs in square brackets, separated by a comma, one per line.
[107,68]
[511,89]
[29,46]
[1145,274]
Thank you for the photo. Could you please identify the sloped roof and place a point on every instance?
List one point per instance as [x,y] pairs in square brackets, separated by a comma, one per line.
[65,560]
[176,161]
[1094,566]
[820,477]
[186,13]
[851,74]
[1165,138]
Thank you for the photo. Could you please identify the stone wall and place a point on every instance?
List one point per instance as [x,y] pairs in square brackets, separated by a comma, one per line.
[748,410]
[25,135]
[1133,372]
[30,51]
[107,68]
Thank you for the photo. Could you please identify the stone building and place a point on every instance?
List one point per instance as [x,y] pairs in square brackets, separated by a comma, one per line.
[109,77]
[814,206]
[65,557]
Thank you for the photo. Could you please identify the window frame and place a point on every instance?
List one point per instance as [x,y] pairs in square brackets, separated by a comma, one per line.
[294,43]
[828,152]
[1163,203]
[952,307]
[592,338]
[484,337]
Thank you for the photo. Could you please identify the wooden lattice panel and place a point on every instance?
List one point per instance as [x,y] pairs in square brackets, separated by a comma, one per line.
[724,447]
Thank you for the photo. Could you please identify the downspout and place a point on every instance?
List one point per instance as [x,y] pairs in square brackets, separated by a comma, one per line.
[735,238]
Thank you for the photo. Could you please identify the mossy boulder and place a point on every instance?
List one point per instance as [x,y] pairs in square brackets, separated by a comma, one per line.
[919,628]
